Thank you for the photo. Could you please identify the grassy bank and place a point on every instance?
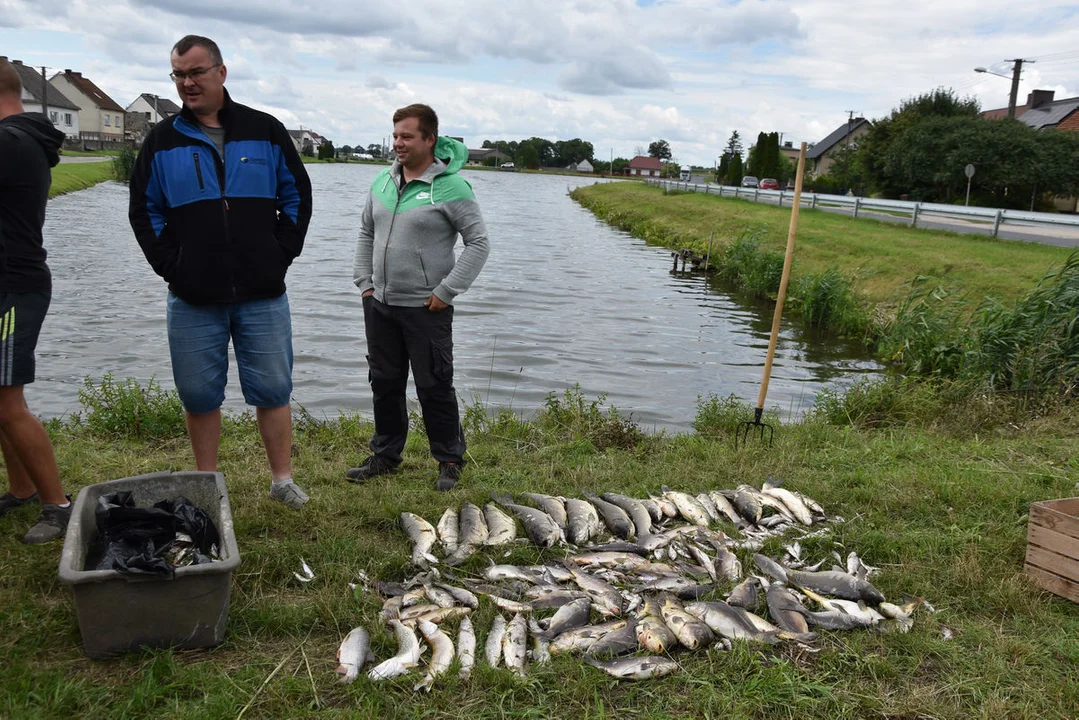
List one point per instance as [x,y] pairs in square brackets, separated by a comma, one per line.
[69,177]
[942,514]
[881,258]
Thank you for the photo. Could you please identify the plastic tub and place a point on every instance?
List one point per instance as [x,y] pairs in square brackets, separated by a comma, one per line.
[119,612]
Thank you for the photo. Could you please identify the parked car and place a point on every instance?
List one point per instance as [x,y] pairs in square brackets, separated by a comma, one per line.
[749,181]
[768,184]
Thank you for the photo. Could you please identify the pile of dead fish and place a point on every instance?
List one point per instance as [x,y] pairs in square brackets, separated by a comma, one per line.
[670,581]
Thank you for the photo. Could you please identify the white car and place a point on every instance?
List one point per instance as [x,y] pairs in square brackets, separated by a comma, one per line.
[508,166]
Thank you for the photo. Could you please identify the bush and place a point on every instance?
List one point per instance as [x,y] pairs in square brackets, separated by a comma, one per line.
[716,416]
[123,164]
[572,418]
[749,266]
[827,302]
[125,409]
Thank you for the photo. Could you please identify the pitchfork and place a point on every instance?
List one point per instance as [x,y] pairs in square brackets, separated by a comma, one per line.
[742,434]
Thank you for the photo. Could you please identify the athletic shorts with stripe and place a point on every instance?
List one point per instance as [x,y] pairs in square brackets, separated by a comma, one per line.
[21,317]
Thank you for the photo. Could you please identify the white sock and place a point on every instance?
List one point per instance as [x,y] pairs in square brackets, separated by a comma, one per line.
[65,505]
[282,480]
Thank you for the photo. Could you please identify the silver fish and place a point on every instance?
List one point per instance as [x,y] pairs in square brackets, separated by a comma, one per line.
[722,619]
[785,609]
[617,642]
[793,503]
[423,537]
[493,647]
[706,562]
[447,530]
[635,509]
[691,632]
[728,566]
[540,652]
[441,654]
[838,584]
[688,506]
[668,508]
[408,654]
[438,615]
[709,507]
[541,528]
[582,521]
[571,615]
[653,508]
[461,595]
[746,501]
[515,644]
[614,517]
[466,647]
[635,668]
[652,633]
[724,506]
[579,640]
[615,560]
[510,605]
[553,506]
[498,573]
[355,650]
[745,595]
[501,528]
[439,596]
[606,598]
[473,526]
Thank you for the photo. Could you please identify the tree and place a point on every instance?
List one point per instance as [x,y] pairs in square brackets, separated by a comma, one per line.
[734,171]
[724,167]
[308,149]
[325,150]
[375,151]
[572,151]
[346,149]
[527,155]
[619,165]
[734,145]
[660,149]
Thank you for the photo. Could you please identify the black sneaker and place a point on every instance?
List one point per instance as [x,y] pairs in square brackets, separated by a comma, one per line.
[51,525]
[448,475]
[373,466]
[9,502]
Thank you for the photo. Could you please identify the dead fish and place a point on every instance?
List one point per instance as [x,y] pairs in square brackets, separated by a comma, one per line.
[539,652]
[515,644]
[466,647]
[423,537]
[794,504]
[308,575]
[617,642]
[391,608]
[439,615]
[499,573]
[694,592]
[668,508]
[653,508]
[706,562]
[510,605]
[650,543]
[724,506]
[709,507]
[493,647]
[541,528]
[582,521]
[439,596]
[785,609]
[620,546]
[555,507]
[447,530]
[607,599]
[691,632]
[615,560]
[355,650]
[838,584]
[635,509]
[501,528]
[614,517]
[414,611]
[461,595]
[408,654]
[441,654]
[473,526]
[722,619]
[727,565]
[579,640]
[688,506]
[669,583]
[747,503]
[857,568]
[652,633]
[635,668]
[746,594]
[571,615]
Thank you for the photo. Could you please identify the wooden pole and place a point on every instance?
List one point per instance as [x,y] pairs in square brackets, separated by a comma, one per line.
[783,282]
[708,257]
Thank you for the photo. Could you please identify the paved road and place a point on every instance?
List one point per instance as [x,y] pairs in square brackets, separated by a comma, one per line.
[1047,235]
[84,159]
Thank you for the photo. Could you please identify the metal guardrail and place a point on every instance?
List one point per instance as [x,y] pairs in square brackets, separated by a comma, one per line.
[914,210]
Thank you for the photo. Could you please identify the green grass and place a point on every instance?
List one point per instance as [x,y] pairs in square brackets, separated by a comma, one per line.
[69,177]
[940,505]
[91,153]
[879,257]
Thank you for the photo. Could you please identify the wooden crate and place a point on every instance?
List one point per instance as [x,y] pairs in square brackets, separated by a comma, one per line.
[1053,547]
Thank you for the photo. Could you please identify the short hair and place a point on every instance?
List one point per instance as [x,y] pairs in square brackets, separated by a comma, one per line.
[10,82]
[189,41]
[428,121]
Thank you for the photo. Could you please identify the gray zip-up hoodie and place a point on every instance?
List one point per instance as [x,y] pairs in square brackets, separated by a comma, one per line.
[407,235]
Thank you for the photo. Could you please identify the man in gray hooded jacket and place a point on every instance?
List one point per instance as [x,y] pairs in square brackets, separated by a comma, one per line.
[408,278]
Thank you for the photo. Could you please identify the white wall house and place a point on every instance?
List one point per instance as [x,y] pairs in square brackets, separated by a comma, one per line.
[153,107]
[63,113]
[100,117]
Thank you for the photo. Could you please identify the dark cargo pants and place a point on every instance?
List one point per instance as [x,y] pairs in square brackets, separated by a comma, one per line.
[397,337]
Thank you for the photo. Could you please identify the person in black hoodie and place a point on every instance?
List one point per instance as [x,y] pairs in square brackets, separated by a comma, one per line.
[220,203]
[28,149]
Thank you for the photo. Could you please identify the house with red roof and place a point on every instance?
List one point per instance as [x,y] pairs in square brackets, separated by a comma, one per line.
[101,119]
[644,166]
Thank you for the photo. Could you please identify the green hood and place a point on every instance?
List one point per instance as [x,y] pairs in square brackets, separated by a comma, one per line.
[451,152]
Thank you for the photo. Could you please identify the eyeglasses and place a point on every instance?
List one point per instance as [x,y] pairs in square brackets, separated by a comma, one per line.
[180,76]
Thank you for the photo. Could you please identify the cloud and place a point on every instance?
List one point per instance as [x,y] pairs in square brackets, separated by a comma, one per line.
[376,81]
[606,75]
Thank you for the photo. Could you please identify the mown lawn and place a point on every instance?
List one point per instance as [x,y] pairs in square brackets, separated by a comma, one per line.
[880,257]
[944,515]
[69,177]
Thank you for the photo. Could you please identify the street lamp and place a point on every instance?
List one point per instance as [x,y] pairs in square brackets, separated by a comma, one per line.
[1017,69]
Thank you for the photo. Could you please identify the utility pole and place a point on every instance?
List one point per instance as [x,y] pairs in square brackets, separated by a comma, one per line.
[1017,70]
[44,93]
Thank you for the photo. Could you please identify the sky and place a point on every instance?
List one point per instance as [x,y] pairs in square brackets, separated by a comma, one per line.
[617,73]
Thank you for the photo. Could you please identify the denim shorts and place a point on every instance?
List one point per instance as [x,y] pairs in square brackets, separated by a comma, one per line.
[261,333]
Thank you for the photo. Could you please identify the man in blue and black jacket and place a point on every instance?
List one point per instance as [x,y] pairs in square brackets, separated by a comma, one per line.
[220,203]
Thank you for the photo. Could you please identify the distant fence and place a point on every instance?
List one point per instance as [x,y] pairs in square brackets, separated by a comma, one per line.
[913,210]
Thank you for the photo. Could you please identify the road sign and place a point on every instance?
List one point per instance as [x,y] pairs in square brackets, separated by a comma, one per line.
[969,170]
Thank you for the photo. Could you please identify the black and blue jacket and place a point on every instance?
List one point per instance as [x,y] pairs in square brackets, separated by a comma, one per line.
[220,229]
